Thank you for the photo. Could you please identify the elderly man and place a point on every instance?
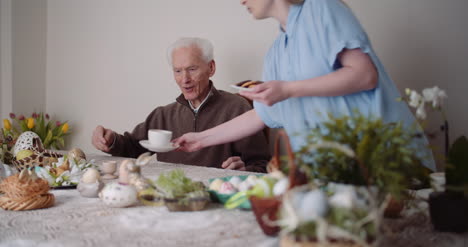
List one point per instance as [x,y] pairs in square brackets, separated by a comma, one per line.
[200,106]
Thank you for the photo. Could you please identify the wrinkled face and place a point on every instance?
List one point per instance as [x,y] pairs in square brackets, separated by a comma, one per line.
[258,8]
[192,73]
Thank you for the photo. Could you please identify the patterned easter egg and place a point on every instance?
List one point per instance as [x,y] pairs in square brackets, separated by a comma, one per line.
[25,141]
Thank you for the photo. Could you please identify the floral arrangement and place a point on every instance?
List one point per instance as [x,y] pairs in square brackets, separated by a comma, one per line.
[456,154]
[65,172]
[342,212]
[385,156]
[357,166]
[51,132]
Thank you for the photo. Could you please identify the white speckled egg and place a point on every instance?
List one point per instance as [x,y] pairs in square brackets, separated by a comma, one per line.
[90,176]
[25,141]
[118,195]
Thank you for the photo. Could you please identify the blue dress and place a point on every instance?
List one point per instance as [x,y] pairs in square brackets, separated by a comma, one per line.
[316,32]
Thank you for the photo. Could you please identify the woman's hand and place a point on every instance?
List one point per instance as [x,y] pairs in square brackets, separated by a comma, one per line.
[189,142]
[268,93]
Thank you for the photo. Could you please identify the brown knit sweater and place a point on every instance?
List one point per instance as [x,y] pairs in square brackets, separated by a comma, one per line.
[179,118]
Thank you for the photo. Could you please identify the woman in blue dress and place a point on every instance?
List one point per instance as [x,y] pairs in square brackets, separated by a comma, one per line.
[321,62]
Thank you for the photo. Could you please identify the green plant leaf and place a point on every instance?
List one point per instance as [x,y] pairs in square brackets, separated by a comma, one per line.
[456,171]
[48,139]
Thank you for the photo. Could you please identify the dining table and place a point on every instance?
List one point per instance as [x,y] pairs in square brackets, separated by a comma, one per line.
[74,220]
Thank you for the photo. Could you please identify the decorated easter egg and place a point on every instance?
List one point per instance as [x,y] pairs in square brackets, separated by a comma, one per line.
[26,141]
[77,154]
[245,185]
[235,181]
[216,184]
[252,180]
[118,195]
[227,188]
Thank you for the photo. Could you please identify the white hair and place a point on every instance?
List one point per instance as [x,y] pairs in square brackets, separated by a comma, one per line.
[204,45]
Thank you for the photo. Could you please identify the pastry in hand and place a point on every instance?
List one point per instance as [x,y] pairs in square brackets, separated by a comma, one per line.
[248,83]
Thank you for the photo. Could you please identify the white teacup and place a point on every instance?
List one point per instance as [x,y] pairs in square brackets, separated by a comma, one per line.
[159,138]
[438,181]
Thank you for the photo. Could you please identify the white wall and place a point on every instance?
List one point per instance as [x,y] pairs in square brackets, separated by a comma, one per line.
[29,32]
[106,59]
[6,83]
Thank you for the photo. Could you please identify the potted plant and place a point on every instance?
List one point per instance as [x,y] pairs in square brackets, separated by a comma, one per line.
[358,165]
[448,208]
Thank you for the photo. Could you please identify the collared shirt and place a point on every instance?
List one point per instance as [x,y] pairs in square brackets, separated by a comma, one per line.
[198,108]
[316,32]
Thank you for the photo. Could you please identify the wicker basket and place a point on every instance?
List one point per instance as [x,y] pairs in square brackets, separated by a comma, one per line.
[192,204]
[25,193]
[266,209]
[151,197]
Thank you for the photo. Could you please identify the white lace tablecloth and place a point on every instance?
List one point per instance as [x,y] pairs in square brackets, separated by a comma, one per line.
[80,221]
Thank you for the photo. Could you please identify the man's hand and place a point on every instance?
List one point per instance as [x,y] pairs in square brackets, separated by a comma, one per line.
[103,138]
[234,163]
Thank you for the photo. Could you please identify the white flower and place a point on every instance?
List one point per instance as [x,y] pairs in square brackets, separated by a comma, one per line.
[415,99]
[421,111]
[434,95]
[44,173]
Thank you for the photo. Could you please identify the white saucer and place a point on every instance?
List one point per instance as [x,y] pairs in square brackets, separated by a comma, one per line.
[241,88]
[168,148]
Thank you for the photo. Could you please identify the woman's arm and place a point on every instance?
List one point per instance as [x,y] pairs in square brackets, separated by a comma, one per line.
[357,74]
[244,125]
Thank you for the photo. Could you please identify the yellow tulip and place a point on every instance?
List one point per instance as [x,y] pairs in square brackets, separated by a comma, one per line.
[30,123]
[65,128]
[6,124]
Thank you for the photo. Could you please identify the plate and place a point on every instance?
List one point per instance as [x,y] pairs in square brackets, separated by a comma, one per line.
[241,88]
[147,145]
[64,187]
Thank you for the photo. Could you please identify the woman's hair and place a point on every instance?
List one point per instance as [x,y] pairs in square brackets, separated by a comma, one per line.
[204,45]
